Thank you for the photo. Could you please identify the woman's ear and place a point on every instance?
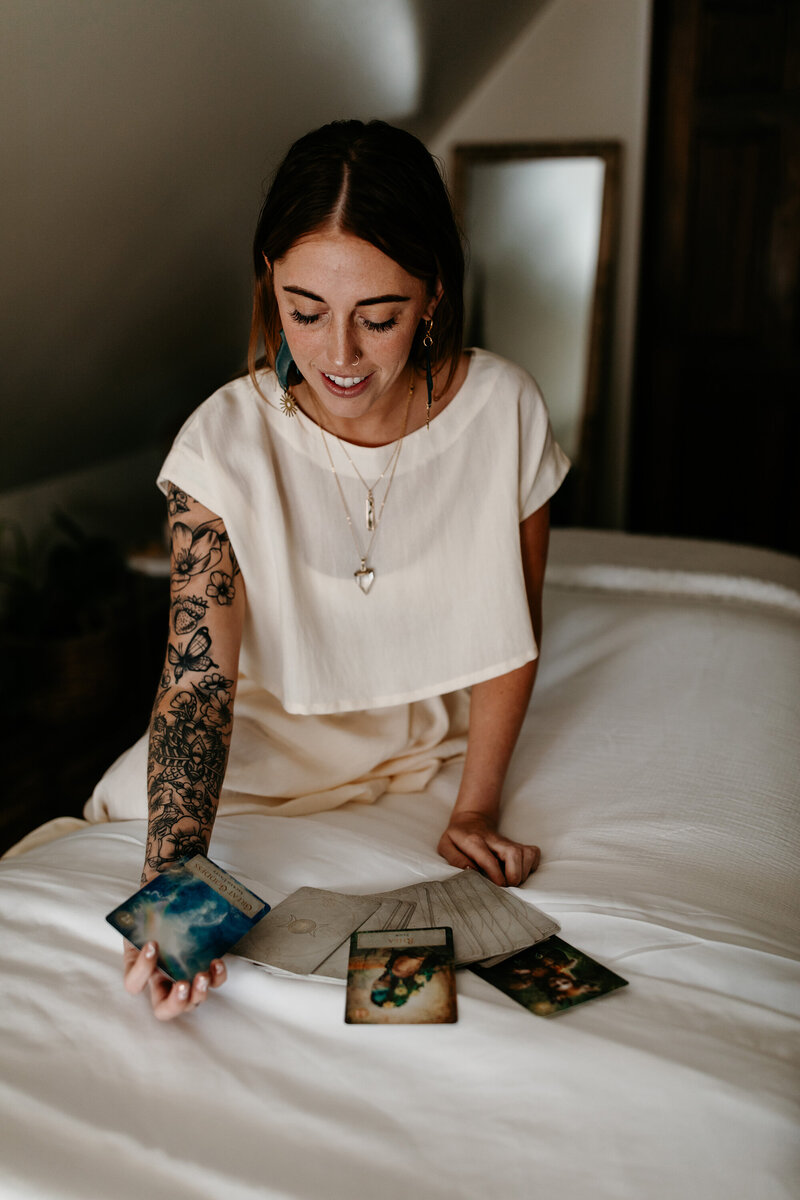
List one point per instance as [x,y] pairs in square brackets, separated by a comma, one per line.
[433,303]
[266,260]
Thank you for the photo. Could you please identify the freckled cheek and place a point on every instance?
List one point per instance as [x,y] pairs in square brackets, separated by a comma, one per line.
[390,347]
[304,342]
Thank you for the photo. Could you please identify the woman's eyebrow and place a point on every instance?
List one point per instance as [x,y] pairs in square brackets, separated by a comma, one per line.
[388,299]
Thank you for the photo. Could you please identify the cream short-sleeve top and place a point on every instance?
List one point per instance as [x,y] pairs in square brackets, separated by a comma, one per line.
[447,607]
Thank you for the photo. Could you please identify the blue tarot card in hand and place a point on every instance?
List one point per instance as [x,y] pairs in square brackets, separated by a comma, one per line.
[194,910]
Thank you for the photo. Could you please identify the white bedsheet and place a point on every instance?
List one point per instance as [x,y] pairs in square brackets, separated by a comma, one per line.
[658,770]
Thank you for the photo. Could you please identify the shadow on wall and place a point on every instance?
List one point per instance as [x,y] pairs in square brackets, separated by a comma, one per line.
[139,140]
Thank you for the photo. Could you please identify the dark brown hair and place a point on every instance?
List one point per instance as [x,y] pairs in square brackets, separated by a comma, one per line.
[380,184]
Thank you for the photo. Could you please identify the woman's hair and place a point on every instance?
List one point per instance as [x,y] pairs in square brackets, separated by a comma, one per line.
[380,184]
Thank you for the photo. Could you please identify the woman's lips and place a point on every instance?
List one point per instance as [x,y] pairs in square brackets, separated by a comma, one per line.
[337,389]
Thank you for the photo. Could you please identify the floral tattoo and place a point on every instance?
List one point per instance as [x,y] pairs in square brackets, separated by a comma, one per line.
[177,501]
[192,719]
[221,588]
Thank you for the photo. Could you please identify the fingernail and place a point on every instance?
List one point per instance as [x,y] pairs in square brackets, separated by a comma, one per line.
[149,950]
[202,983]
[183,991]
[218,968]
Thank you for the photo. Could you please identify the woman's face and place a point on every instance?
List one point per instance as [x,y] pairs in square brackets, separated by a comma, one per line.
[340,300]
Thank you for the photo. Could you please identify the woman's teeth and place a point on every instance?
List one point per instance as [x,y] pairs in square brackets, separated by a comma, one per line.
[345,381]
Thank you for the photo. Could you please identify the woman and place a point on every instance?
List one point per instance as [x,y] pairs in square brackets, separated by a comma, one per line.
[359,533]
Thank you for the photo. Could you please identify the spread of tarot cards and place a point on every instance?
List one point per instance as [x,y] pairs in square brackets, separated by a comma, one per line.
[396,975]
[308,933]
[194,910]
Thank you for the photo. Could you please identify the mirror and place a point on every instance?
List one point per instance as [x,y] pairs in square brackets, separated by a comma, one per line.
[541,222]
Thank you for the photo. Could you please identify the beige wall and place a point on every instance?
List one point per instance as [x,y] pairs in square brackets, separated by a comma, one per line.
[579,71]
[136,137]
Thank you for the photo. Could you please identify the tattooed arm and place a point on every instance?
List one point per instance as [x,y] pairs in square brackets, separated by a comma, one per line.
[190,730]
[192,721]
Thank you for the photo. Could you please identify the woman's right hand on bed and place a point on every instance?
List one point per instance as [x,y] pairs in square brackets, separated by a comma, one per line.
[168,999]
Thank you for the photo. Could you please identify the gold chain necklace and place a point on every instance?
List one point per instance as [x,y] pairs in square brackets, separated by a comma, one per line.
[365,575]
[369,512]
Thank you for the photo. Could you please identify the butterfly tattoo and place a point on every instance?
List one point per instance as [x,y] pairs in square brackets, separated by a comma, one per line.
[195,657]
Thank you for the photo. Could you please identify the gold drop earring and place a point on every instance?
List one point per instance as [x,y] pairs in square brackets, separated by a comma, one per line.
[427,342]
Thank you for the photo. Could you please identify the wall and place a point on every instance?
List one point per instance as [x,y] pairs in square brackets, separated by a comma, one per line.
[579,71]
[137,135]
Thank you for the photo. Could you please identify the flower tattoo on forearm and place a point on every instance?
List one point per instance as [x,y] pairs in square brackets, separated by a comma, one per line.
[192,719]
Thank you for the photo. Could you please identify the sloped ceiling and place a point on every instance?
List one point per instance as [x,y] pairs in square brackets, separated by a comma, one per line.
[138,136]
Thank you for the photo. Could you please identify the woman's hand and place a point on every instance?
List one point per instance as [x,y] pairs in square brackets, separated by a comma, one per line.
[168,999]
[471,840]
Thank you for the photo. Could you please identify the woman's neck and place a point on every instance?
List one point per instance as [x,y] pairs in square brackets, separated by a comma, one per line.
[386,425]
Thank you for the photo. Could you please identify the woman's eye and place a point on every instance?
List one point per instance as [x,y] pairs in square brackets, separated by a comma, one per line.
[372,326]
[379,326]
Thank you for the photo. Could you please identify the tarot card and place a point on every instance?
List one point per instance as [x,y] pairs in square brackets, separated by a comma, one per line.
[550,977]
[194,910]
[487,920]
[401,977]
[304,929]
[391,914]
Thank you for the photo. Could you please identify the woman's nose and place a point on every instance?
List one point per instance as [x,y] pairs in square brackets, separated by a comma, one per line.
[342,350]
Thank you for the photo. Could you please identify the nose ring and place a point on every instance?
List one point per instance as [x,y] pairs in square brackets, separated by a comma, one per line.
[355,364]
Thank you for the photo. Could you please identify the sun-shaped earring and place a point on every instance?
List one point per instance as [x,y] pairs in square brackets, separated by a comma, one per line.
[283,364]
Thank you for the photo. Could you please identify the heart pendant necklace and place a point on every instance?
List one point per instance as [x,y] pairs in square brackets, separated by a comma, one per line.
[365,575]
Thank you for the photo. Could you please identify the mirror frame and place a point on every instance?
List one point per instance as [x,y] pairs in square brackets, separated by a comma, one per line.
[579,502]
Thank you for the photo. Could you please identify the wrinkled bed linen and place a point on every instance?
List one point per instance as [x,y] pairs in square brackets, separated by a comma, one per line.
[658,770]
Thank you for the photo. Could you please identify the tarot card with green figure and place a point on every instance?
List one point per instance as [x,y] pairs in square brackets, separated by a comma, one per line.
[401,977]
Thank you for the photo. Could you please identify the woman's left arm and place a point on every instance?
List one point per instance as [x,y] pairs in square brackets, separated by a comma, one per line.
[497,710]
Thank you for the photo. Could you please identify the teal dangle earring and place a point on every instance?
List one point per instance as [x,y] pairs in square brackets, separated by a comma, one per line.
[283,365]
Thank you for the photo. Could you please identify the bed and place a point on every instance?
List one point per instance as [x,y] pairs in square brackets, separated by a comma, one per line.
[658,770]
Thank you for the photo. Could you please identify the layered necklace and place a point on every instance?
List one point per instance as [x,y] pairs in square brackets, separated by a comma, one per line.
[365,575]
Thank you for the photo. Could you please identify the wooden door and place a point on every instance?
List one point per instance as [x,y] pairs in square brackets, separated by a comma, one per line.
[716,428]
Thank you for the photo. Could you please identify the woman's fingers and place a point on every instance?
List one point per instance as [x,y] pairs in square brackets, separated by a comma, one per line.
[533,856]
[519,860]
[475,852]
[139,966]
[510,855]
[505,862]
[168,999]
[218,973]
[450,852]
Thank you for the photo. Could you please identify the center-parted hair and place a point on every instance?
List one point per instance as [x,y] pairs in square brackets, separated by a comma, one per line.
[378,183]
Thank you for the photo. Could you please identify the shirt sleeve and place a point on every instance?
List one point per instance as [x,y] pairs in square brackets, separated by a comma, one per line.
[189,465]
[543,465]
